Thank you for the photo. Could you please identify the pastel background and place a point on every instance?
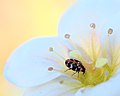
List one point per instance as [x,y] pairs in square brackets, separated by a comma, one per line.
[21,20]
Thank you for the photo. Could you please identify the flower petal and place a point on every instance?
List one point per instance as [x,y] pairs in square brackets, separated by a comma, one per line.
[109,88]
[55,87]
[77,19]
[114,24]
[28,65]
[113,46]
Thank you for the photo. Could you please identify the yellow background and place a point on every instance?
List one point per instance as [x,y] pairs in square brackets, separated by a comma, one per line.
[21,20]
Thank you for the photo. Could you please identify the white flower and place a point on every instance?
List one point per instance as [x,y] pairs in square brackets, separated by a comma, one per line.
[89,32]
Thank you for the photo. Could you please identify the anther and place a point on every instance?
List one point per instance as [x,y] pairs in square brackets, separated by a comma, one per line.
[61,82]
[67,36]
[92,25]
[50,69]
[51,49]
[110,31]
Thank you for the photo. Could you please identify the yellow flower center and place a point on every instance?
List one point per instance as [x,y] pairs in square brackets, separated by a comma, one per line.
[99,60]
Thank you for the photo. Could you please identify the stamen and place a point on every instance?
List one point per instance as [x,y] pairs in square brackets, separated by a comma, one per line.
[92,25]
[67,36]
[61,82]
[52,50]
[93,41]
[107,47]
[110,31]
[50,69]
[55,70]
[67,49]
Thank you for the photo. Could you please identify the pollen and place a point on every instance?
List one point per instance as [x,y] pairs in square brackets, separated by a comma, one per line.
[61,82]
[110,31]
[92,25]
[67,36]
[50,69]
[51,49]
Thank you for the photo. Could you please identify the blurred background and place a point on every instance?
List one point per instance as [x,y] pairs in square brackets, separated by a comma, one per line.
[21,20]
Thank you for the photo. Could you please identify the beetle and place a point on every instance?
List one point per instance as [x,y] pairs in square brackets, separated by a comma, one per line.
[75,65]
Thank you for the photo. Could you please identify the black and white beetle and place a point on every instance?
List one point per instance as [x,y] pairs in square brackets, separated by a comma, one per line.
[74,65]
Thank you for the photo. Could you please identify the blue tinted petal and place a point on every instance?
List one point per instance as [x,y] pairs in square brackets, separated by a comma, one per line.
[28,66]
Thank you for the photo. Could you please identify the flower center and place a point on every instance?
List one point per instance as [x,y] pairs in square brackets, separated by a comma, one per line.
[98,64]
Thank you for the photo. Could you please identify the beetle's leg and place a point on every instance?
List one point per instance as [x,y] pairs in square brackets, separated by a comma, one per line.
[78,74]
[83,73]
[74,73]
[67,70]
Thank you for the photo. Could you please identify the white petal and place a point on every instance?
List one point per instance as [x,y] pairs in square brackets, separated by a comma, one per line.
[114,38]
[109,88]
[27,66]
[77,19]
[52,88]
[113,23]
